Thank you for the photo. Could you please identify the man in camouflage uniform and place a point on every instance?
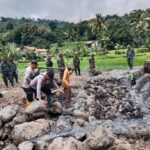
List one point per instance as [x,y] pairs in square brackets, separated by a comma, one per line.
[130,57]
[14,70]
[76,63]
[7,74]
[92,62]
[61,65]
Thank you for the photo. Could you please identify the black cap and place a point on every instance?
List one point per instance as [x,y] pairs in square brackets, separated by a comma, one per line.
[34,62]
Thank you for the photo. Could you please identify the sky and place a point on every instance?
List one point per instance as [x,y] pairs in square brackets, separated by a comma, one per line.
[68,10]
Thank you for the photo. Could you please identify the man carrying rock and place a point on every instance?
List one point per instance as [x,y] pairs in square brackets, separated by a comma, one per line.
[76,63]
[61,65]
[66,84]
[6,71]
[39,84]
[30,73]
[130,57]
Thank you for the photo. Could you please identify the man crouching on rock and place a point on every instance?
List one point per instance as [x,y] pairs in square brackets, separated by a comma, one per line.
[66,84]
[39,84]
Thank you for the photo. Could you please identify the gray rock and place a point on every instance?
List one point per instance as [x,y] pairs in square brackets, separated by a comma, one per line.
[29,130]
[8,113]
[10,147]
[26,146]
[82,115]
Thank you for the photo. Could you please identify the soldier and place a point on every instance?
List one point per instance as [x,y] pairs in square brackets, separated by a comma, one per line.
[92,62]
[0,66]
[30,73]
[76,63]
[130,57]
[61,65]
[6,71]
[14,70]
[49,62]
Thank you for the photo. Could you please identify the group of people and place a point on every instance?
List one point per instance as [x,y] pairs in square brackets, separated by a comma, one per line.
[8,70]
[36,83]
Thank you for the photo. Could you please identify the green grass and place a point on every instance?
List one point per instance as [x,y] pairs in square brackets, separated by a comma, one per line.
[109,61]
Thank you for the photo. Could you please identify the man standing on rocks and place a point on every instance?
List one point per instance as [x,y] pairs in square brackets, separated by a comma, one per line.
[14,70]
[76,63]
[66,84]
[6,71]
[30,73]
[130,57]
[39,84]
[61,65]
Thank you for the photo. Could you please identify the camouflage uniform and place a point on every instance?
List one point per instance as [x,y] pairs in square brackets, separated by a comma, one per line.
[130,57]
[76,63]
[92,62]
[7,73]
[14,71]
[61,66]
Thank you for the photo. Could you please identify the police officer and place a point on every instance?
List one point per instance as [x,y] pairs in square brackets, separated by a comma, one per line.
[76,63]
[14,70]
[30,73]
[61,65]
[7,74]
[130,57]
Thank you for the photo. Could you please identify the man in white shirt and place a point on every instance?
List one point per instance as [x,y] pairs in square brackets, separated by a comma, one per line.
[39,84]
[30,73]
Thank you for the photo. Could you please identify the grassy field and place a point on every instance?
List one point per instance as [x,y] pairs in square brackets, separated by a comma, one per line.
[106,62]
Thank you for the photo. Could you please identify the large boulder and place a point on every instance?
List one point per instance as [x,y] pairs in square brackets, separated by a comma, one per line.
[36,109]
[81,115]
[99,139]
[65,144]
[26,146]
[8,113]
[29,130]
[10,147]
[56,108]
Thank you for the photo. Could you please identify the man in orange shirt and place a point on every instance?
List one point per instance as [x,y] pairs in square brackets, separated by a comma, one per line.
[66,84]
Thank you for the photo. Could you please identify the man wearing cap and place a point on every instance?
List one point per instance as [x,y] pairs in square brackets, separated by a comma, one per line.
[30,73]
[66,84]
[39,84]
[130,57]
[61,65]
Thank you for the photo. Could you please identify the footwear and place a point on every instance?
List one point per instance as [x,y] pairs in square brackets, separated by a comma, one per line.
[28,103]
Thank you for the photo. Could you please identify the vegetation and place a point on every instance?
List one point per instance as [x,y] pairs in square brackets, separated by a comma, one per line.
[110,31]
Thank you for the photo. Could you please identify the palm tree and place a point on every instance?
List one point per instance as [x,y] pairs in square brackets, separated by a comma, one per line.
[98,27]
[140,24]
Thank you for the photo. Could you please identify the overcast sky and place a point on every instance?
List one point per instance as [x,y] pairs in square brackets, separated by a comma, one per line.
[68,10]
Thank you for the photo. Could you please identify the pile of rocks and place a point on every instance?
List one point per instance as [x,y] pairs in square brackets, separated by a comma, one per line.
[107,98]
[18,125]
